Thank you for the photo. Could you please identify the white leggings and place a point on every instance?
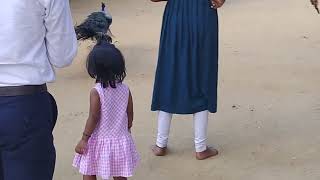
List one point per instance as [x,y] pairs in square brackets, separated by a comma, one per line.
[200,129]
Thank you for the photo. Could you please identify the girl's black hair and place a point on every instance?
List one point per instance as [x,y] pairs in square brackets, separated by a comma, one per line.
[106,64]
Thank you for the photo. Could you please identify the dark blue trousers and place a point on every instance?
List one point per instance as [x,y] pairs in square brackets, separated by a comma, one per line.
[26,141]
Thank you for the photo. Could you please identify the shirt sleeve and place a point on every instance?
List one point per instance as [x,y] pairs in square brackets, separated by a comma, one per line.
[61,41]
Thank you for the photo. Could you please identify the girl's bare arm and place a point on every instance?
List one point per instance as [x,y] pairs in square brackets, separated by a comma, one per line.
[94,114]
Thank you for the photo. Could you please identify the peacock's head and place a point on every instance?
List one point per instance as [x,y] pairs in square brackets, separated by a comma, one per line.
[103,6]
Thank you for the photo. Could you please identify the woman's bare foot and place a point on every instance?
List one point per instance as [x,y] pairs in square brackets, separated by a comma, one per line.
[158,151]
[210,152]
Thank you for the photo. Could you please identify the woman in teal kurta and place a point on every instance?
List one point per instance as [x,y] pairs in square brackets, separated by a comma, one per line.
[187,72]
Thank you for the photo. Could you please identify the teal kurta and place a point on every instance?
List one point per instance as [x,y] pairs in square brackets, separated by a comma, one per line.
[187,72]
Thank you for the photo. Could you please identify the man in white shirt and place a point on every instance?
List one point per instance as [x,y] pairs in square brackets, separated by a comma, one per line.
[35,37]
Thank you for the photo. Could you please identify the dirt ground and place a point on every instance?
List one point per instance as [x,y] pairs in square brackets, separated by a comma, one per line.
[267,126]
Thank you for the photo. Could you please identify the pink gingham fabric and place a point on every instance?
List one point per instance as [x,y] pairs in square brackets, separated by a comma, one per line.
[111,151]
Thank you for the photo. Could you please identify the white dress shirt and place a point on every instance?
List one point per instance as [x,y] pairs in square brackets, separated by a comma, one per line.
[35,37]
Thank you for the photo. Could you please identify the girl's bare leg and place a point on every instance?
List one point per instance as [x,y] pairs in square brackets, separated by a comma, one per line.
[89,178]
[120,178]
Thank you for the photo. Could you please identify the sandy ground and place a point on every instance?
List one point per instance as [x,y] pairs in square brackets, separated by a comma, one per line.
[267,127]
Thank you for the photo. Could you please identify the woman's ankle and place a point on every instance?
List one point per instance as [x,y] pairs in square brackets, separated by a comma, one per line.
[208,153]
[159,151]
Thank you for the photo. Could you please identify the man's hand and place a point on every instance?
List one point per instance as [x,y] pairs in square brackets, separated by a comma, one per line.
[217,3]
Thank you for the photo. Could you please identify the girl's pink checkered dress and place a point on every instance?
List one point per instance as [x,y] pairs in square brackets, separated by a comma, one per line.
[111,151]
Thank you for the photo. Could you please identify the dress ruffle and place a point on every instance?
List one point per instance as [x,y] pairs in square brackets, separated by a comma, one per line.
[108,157]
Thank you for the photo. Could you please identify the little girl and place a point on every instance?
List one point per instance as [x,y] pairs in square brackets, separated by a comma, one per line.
[106,148]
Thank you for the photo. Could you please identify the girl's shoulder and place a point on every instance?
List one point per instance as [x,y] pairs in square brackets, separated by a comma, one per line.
[123,85]
[98,87]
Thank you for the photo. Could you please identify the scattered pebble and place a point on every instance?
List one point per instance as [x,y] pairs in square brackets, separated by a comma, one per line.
[252,108]
[235,107]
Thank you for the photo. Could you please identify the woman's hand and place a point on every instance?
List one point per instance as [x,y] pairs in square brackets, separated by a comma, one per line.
[81,147]
[315,3]
[217,3]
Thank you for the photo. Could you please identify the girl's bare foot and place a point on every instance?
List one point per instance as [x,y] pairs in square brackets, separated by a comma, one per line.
[158,151]
[210,152]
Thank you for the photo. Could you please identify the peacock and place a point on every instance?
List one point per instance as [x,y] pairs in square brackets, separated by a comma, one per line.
[96,26]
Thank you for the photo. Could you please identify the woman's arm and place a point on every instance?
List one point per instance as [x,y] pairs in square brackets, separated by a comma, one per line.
[93,119]
[130,111]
